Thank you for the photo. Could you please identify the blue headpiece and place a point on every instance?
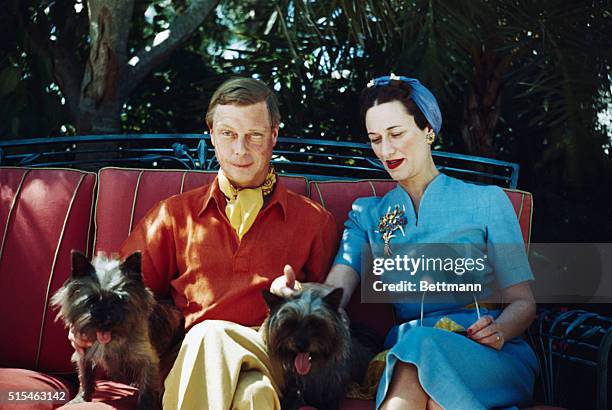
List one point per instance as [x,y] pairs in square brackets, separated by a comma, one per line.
[421,96]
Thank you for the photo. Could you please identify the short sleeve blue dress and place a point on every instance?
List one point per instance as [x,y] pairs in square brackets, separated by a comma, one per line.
[455,371]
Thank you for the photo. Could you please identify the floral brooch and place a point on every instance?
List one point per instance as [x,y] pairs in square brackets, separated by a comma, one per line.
[390,222]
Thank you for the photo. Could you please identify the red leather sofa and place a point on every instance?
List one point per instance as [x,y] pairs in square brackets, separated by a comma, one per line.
[44,213]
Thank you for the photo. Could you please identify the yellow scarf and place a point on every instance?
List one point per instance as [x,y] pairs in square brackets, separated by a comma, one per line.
[243,205]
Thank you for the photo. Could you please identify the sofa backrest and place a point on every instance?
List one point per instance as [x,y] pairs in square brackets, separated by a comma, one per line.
[338,196]
[126,195]
[44,214]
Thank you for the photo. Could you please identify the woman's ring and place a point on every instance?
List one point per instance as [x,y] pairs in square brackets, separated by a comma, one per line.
[498,338]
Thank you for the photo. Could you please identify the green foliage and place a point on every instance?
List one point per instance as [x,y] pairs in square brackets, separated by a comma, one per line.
[520,81]
[34,106]
[525,78]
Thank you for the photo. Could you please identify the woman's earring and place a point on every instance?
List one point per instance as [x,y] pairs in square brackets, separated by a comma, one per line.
[430,137]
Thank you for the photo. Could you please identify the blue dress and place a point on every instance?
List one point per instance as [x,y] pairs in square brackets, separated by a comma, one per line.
[455,371]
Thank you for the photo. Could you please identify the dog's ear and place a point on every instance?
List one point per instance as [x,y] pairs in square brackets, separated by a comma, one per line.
[131,266]
[334,298]
[273,301]
[81,267]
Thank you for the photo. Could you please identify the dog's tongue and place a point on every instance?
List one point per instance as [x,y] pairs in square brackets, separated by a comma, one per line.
[302,363]
[103,337]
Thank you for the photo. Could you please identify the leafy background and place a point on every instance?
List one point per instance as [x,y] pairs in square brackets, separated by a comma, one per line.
[524,81]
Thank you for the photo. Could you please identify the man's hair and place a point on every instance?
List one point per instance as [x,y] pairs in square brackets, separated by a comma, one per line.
[243,91]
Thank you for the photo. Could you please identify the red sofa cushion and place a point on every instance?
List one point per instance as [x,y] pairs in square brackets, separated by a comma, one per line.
[21,380]
[126,195]
[522,202]
[338,196]
[109,395]
[44,214]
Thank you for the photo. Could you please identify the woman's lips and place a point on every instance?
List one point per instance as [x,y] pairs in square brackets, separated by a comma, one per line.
[394,163]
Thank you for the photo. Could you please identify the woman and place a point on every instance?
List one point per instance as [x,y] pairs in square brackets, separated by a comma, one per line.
[429,367]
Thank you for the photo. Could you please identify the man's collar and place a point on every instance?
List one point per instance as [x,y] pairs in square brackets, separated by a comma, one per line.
[213,192]
[278,196]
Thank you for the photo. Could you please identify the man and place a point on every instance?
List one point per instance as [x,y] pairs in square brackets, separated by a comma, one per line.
[215,248]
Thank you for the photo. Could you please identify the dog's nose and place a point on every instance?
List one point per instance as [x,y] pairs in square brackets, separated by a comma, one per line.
[301,345]
[116,316]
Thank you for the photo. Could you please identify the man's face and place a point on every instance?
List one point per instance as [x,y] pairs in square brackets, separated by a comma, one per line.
[243,139]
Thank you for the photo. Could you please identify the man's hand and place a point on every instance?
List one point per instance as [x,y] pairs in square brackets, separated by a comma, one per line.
[286,285]
[79,342]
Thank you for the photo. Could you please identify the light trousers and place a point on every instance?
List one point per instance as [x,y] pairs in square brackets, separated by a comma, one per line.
[222,365]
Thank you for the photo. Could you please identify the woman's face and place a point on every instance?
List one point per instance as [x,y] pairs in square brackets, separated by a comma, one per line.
[397,141]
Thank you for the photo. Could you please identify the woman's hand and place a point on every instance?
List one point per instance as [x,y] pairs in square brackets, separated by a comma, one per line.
[512,322]
[286,285]
[80,343]
[487,332]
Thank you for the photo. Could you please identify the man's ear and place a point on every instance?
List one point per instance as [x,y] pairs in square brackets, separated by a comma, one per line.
[274,135]
[212,136]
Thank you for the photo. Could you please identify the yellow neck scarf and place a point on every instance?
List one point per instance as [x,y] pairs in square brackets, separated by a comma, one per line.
[243,205]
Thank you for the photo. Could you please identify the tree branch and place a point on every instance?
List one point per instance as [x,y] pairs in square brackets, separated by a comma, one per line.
[180,29]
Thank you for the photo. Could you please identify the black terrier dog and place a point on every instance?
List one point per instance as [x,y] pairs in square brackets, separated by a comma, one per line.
[309,336]
[108,302]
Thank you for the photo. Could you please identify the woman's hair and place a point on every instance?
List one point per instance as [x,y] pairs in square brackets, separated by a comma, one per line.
[397,90]
[243,91]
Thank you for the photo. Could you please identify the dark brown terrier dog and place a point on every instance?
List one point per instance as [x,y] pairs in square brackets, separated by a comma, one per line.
[108,302]
[309,336]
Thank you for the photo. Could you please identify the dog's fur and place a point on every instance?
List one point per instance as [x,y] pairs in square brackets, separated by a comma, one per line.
[310,326]
[108,302]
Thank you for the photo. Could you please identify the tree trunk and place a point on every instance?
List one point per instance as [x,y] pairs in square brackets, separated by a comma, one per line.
[101,96]
[483,104]
[99,120]
[108,80]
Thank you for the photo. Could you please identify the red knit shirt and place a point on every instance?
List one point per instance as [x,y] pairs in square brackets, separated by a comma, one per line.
[190,251]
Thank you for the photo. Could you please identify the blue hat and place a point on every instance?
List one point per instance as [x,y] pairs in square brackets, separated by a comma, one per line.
[421,96]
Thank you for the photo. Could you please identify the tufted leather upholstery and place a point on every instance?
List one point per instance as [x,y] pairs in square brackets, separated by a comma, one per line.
[126,195]
[44,214]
